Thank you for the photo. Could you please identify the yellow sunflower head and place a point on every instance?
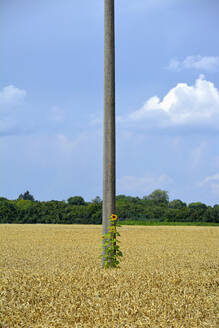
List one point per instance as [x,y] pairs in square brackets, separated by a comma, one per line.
[114,217]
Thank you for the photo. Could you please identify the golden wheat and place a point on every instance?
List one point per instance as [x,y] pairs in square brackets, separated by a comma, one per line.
[51,276]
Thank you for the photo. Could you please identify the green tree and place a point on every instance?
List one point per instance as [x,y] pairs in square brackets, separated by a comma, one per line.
[8,212]
[3,199]
[159,196]
[209,215]
[23,204]
[97,199]
[177,204]
[216,213]
[198,206]
[26,196]
[129,199]
[76,200]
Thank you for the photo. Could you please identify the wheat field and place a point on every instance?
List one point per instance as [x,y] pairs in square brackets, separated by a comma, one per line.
[51,276]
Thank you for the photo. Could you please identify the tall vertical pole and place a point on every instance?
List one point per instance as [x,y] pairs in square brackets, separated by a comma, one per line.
[109,172]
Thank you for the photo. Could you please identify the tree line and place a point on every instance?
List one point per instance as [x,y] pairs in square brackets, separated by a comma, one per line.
[154,207]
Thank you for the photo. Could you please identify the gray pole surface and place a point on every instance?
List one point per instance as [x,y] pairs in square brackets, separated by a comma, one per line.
[109,188]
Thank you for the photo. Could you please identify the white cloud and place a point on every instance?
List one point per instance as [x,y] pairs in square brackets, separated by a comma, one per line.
[11,96]
[142,185]
[212,182]
[183,104]
[202,63]
[174,65]
[205,63]
[214,178]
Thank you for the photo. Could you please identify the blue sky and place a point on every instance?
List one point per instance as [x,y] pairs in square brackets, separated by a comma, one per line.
[167,98]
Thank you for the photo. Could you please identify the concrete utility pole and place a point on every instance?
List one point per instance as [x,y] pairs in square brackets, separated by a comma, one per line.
[109,171]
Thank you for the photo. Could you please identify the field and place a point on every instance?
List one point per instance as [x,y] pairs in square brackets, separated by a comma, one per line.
[163,223]
[51,276]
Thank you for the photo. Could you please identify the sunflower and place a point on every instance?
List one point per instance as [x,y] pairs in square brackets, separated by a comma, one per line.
[114,217]
[112,228]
